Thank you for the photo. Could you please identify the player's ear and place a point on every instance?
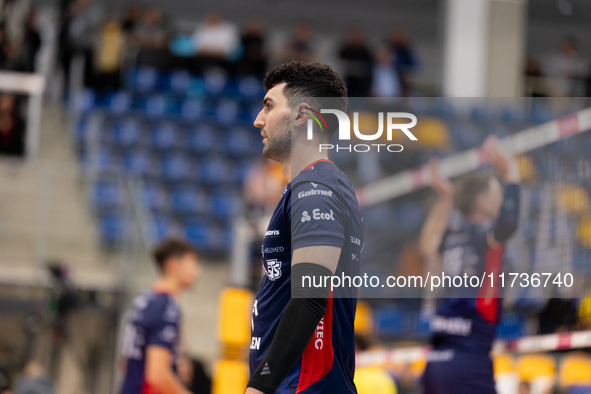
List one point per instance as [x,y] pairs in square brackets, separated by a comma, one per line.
[301,115]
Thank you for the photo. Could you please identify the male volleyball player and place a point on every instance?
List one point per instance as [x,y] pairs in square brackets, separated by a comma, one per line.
[151,338]
[302,337]
[469,240]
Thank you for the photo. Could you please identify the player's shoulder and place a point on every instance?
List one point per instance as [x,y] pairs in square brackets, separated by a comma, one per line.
[323,175]
[161,306]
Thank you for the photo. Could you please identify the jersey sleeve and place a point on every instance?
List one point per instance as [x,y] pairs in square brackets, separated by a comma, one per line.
[318,216]
[164,330]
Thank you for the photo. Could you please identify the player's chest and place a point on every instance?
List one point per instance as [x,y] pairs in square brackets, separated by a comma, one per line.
[276,246]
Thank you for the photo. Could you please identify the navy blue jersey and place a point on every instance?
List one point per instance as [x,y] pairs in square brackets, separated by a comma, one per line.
[463,328]
[154,321]
[325,211]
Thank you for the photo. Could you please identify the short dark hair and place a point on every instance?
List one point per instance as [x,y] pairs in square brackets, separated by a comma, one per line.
[468,188]
[305,80]
[169,248]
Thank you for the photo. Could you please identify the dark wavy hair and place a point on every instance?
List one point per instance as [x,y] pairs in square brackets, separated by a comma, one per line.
[318,84]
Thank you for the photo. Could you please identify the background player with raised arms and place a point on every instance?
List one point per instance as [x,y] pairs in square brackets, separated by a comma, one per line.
[302,338]
[468,240]
[151,341]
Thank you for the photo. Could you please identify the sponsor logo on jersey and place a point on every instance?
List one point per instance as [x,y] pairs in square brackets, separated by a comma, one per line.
[168,334]
[451,325]
[355,241]
[273,269]
[271,233]
[314,192]
[317,215]
[272,249]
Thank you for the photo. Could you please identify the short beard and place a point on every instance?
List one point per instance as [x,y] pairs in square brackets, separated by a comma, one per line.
[279,147]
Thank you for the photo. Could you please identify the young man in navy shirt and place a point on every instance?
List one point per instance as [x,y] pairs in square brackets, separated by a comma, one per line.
[302,336]
[469,240]
[151,338]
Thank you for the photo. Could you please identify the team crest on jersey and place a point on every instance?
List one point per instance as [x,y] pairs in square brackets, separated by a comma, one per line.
[273,269]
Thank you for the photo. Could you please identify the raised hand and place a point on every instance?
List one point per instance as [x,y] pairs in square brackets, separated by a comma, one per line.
[506,164]
[439,183]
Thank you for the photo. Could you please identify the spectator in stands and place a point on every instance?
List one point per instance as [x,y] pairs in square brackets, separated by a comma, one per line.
[12,127]
[535,86]
[6,53]
[13,15]
[84,18]
[216,38]
[404,58]
[34,381]
[254,59]
[567,69]
[559,315]
[151,32]
[358,63]
[131,18]
[386,81]
[300,48]
[108,54]
[31,43]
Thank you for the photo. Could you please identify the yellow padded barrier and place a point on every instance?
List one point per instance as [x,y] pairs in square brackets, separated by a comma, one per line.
[230,377]
[533,366]
[575,370]
[235,317]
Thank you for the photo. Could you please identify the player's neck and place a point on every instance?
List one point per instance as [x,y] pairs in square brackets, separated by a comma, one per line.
[291,168]
[167,285]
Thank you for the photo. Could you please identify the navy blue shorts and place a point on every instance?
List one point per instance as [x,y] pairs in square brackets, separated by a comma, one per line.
[453,372]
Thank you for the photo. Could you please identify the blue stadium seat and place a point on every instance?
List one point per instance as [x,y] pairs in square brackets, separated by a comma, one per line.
[179,81]
[107,195]
[127,132]
[155,106]
[119,103]
[153,197]
[227,111]
[390,320]
[480,113]
[102,161]
[214,171]
[198,232]
[215,82]
[513,114]
[186,200]
[191,110]
[136,162]
[164,136]
[85,101]
[197,88]
[113,229]
[512,326]
[202,139]
[144,78]
[250,87]
[161,228]
[223,206]
[175,167]
[239,141]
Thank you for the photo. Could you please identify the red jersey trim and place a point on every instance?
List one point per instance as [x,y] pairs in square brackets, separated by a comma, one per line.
[319,355]
[487,303]
[317,161]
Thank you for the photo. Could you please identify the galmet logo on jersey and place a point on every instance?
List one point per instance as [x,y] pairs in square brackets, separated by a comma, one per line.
[390,119]
[273,269]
